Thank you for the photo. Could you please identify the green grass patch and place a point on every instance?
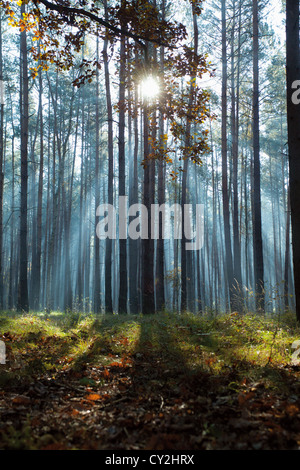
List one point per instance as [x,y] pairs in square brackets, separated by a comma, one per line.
[46,344]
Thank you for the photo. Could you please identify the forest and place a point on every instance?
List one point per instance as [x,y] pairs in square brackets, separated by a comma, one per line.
[149,225]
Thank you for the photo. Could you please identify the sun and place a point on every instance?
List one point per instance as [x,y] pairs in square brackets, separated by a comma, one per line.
[150,88]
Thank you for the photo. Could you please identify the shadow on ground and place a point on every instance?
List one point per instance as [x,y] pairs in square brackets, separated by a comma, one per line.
[149,383]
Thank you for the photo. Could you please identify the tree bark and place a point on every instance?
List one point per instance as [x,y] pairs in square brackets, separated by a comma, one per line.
[257,222]
[226,216]
[40,198]
[237,273]
[1,171]
[23,304]
[122,188]
[148,304]
[293,118]
[108,248]
[148,300]
[97,287]
[134,244]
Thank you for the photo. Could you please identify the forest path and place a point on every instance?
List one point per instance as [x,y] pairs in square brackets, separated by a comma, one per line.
[150,393]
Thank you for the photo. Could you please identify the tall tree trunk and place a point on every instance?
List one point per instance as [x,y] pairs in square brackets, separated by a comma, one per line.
[24,107]
[186,256]
[257,229]
[97,297]
[81,265]
[12,271]
[37,231]
[148,305]
[108,248]
[40,198]
[293,117]
[226,216]
[238,300]
[183,239]
[134,244]
[160,258]
[160,277]
[287,253]
[122,188]
[148,300]
[1,168]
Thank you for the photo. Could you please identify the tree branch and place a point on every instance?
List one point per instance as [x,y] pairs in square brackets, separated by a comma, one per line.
[84,13]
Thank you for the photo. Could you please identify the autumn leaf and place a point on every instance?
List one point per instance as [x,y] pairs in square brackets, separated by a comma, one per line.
[93,397]
[243,397]
[21,400]
[115,364]
[105,373]
[292,409]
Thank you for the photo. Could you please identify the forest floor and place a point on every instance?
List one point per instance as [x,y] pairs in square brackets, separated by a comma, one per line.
[176,382]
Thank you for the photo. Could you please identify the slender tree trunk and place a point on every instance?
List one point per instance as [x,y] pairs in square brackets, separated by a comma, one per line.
[257,228]
[108,248]
[293,117]
[226,216]
[81,265]
[235,149]
[183,239]
[160,275]
[197,275]
[97,297]
[32,221]
[48,222]
[186,256]
[66,222]
[134,244]
[23,304]
[40,198]
[148,306]
[160,291]
[287,253]
[1,171]
[122,188]
[12,276]
[148,301]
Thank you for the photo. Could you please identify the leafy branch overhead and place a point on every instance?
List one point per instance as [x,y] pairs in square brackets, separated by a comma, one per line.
[58,30]
[61,26]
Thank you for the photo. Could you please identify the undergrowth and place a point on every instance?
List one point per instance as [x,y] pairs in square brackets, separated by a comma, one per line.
[194,377]
[47,343]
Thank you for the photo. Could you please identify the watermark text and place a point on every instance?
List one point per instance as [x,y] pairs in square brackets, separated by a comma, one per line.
[162,220]
[2,353]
